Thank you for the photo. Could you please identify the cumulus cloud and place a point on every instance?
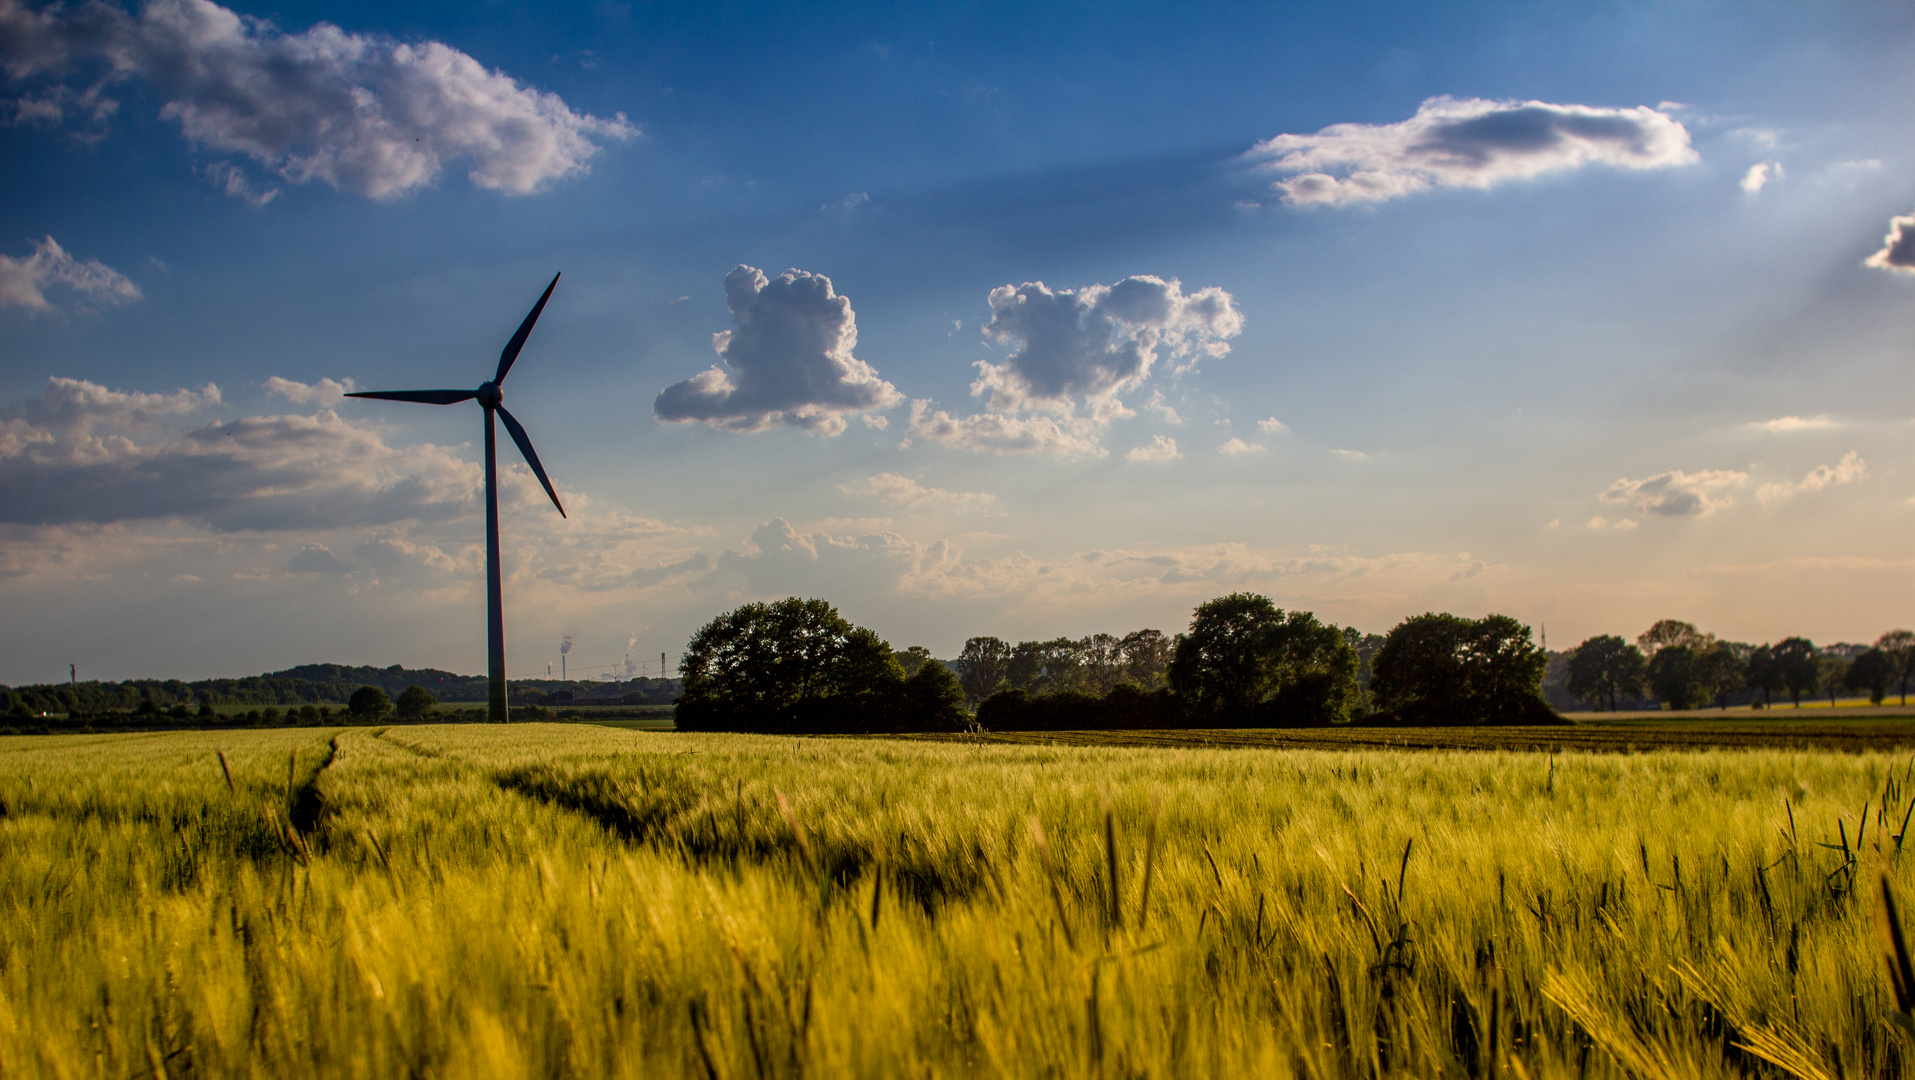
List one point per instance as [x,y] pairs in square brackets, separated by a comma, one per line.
[1471,142]
[1789,424]
[1898,247]
[1760,176]
[83,453]
[1238,446]
[1159,448]
[1272,425]
[1079,347]
[1677,493]
[1846,471]
[895,490]
[1599,523]
[325,392]
[787,360]
[24,282]
[363,113]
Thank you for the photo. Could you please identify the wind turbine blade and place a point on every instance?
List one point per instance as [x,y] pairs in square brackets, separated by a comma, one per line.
[512,347]
[423,397]
[531,457]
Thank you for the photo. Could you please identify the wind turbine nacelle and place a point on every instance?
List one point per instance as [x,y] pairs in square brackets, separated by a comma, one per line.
[491,395]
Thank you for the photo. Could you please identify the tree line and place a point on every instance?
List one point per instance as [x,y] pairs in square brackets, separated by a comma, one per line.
[796,665]
[1684,668]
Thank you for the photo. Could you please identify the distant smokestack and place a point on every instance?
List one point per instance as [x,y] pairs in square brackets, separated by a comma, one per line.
[565,646]
[661,665]
[72,675]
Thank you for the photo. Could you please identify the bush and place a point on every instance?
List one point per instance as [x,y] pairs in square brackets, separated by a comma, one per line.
[1126,707]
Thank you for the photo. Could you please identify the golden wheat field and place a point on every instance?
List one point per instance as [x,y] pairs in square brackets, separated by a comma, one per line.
[562,901]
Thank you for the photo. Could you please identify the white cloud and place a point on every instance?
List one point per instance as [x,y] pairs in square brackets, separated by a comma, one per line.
[1470,142]
[789,360]
[895,490]
[1272,425]
[1677,493]
[1761,175]
[1159,448]
[24,282]
[1898,247]
[1044,433]
[1096,342]
[1846,471]
[325,392]
[1599,522]
[1238,446]
[1075,347]
[1788,424]
[363,113]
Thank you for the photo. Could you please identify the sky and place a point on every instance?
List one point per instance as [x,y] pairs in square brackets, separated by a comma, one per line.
[1019,320]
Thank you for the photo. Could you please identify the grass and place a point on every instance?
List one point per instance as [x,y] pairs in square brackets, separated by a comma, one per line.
[577,900]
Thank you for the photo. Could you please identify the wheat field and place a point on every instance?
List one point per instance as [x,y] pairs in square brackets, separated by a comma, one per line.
[560,901]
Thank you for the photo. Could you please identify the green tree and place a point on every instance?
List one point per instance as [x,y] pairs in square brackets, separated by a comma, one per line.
[1146,656]
[1245,661]
[1764,674]
[367,704]
[1603,668]
[1796,668]
[1444,669]
[1721,671]
[912,659]
[797,665]
[1673,677]
[982,666]
[415,703]
[1831,671]
[1899,646]
[1872,672]
[1669,632]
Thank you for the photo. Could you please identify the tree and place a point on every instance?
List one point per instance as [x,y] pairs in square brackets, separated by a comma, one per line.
[1244,661]
[415,703]
[1669,632]
[1796,667]
[1872,671]
[913,659]
[1673,677]
[368,703]
[1899,647]
[1444,669]
[1764,673]
[981,667]
[1831,672]
[1605,667]
[797,665]
[1721,671]
[1146,655]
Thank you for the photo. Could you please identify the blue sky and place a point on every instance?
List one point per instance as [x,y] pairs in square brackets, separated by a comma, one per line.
[1583,314]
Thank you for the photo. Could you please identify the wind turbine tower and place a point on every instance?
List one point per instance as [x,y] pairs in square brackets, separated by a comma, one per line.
[491,398]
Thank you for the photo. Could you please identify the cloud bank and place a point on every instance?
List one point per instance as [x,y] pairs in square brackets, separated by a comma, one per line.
[1846,471]
[81,453]
[362,113]
[1073,347]
[787,360]
[895,490]
[24,282]
[1469,142]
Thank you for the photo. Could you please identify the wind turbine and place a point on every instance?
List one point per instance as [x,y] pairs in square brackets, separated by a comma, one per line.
[491,398]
